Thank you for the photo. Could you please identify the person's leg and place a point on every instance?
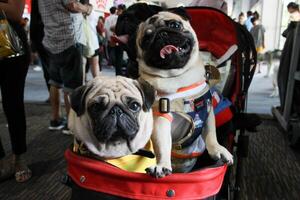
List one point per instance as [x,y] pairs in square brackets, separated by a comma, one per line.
[72,74]
[55,102]
[259,61]
[67,102]
[258,67]
[100,57]
[44,57]
[112,56]
[87,66]
[12,89]
[55,82]
[5,170]
[84,62]
[94,63]
[13,102]
[86,69]
[119,60]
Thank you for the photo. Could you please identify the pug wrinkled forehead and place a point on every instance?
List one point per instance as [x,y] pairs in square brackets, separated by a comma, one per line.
[114,94]
[165,18]
[166,41]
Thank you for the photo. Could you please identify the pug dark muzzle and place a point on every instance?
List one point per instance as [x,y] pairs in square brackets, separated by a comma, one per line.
[117,124]
[167,47]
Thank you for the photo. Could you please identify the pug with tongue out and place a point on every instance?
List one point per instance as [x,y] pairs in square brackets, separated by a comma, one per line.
[169,59]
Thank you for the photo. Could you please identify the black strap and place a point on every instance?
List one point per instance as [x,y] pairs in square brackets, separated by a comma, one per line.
[145,153]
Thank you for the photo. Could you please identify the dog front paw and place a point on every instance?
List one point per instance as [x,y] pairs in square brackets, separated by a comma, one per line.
[218,152]
[158,171]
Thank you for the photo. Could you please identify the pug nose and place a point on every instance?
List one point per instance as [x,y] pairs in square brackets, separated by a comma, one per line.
[116,110]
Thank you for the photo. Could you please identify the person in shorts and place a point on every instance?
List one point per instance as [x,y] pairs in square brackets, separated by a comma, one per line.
[64,40]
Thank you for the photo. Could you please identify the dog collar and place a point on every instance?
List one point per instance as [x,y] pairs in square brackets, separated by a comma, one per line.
[164,99]
[191,90]
[80,148]
[136,162]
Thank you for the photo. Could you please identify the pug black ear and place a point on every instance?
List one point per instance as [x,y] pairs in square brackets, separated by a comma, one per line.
[77,99]
[148,93]
[181,12]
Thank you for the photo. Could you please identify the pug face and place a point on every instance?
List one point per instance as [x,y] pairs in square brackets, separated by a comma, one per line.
[112,115]
[166,41]
[114,118]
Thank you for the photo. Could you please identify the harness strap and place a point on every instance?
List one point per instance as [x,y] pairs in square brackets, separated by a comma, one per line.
[167,116]
[185,156]
[191,90]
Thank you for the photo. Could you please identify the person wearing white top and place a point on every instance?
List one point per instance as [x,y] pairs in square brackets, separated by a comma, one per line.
[109,26]
[115,50]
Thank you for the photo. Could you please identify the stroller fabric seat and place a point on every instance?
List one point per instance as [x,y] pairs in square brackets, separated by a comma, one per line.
[102,177]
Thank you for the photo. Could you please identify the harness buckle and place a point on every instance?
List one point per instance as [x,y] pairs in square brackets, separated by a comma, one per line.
[164,105]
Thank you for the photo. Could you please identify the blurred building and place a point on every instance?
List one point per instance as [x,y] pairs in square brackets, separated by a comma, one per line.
[273,13]
[274,17]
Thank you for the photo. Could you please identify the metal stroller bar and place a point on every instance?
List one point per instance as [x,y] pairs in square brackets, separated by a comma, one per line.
[284,117]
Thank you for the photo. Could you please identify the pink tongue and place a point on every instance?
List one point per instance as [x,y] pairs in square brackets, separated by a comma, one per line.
[168,49]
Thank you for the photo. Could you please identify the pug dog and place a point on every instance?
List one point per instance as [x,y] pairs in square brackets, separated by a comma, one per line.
[168,59]
[112,116]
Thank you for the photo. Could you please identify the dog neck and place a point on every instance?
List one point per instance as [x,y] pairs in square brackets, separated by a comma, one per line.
[170,85]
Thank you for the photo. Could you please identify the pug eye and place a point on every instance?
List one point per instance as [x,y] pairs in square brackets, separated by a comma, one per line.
[134,106]
[175,25]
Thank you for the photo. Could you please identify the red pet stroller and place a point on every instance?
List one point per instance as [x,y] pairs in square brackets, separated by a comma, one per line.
[227,42]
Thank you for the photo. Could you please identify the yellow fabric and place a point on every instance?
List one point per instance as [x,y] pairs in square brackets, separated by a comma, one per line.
[260,49]
[134,163]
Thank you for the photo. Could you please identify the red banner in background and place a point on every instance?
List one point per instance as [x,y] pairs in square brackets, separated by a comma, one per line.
[27,9]
[99,5]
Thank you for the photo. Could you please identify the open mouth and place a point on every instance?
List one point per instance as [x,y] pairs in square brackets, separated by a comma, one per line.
[168,49]
[172,49]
